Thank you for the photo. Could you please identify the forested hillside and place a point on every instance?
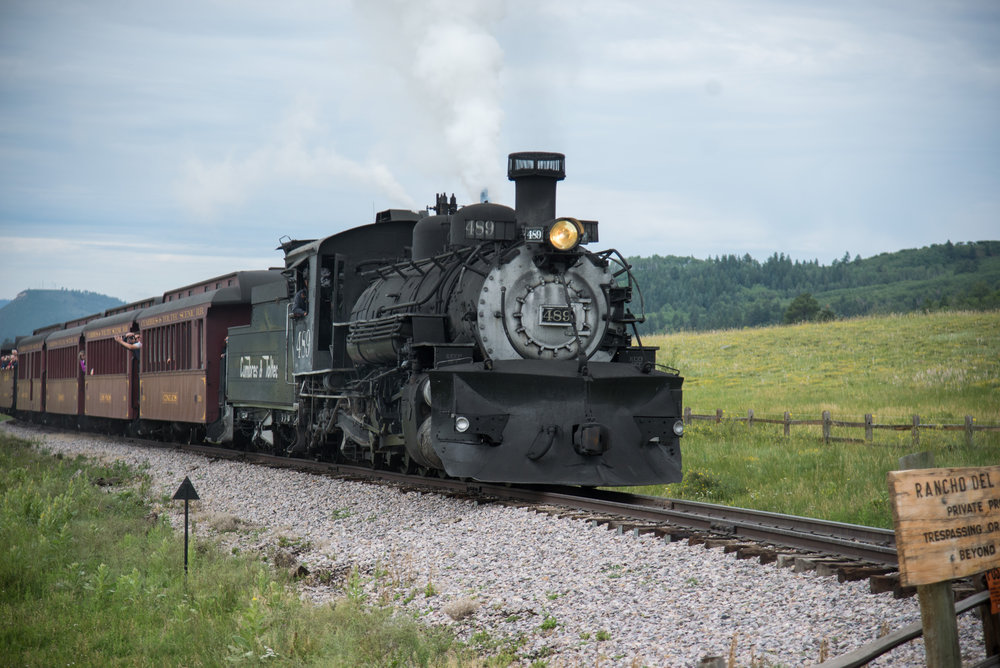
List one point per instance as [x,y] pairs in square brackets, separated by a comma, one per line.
[37,308]
[682,293]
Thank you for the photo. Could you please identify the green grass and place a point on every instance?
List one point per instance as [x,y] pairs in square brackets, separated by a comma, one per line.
[941,366]
[88,576]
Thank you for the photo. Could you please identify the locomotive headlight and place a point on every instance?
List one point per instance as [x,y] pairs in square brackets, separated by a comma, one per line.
[565,234]
[679,428]
[461,424]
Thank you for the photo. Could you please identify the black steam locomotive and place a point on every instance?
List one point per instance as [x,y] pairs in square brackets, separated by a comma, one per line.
[496,349]
[481,342]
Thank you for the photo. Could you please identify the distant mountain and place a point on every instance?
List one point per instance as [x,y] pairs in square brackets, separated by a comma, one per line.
[730,292]
[33,309]
[4,302]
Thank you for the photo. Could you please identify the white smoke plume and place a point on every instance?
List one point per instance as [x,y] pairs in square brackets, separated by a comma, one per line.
[452,62]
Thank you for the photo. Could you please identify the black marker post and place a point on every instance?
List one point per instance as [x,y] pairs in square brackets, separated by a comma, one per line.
[186,492]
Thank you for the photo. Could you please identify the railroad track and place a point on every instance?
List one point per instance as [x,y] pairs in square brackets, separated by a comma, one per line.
[869,544]
[849,551]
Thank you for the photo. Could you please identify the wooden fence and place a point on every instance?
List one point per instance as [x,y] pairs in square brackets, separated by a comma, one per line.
[970,427]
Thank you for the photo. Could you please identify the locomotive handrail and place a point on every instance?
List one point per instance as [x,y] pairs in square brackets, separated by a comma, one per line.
[288,343]
[630,318]
[467,264]
[632,283]
[327,396]
[433,291]
[415,264]
[444,275]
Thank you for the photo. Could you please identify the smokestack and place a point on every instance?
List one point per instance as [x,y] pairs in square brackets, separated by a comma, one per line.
[535,174]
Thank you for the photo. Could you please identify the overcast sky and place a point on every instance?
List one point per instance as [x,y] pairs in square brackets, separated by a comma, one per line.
[148,145]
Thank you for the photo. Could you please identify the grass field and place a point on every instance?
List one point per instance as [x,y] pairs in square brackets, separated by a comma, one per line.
[89,576]
[941,366]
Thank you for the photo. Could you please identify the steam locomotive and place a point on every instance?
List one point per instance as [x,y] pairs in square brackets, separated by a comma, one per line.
[482,342]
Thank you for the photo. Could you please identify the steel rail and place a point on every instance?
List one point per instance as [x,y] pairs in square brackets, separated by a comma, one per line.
[870,544]
[841,539]
[865,542]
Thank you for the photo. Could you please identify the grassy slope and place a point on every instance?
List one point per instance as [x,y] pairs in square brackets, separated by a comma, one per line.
[941,366]
[89,576]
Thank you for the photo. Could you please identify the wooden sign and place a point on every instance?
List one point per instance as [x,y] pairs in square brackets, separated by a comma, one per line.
[947,522]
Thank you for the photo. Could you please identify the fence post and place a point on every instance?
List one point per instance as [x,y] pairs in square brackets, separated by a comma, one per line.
[991,622]
[968,430]
[788,423]
[749,418]
[687,415]
[826,426]
[718,415]
[916,430]
[869,421]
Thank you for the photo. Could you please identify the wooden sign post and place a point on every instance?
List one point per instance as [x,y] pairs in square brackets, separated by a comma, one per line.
[947,525]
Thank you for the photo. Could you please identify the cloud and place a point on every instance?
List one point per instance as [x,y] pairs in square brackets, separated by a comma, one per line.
[720,126]
[123,268]
[639,222]
[296,154]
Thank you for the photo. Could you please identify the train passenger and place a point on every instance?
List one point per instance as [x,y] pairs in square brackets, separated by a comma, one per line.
[133,342]
[301,307]
[83,362]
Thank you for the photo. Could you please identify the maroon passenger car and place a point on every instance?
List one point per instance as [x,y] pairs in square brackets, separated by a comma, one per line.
[31,372]
[182,343]
[111,386]
[64,377]
[7,384]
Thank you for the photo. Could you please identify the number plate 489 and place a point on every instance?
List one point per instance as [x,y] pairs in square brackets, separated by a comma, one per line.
[556,315]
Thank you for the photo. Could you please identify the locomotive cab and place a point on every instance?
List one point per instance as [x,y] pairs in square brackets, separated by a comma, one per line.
[329,270]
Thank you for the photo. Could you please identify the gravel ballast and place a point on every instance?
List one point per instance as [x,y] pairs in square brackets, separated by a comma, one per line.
[559,590]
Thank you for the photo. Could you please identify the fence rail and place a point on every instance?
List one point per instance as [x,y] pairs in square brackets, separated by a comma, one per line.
[915,426]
